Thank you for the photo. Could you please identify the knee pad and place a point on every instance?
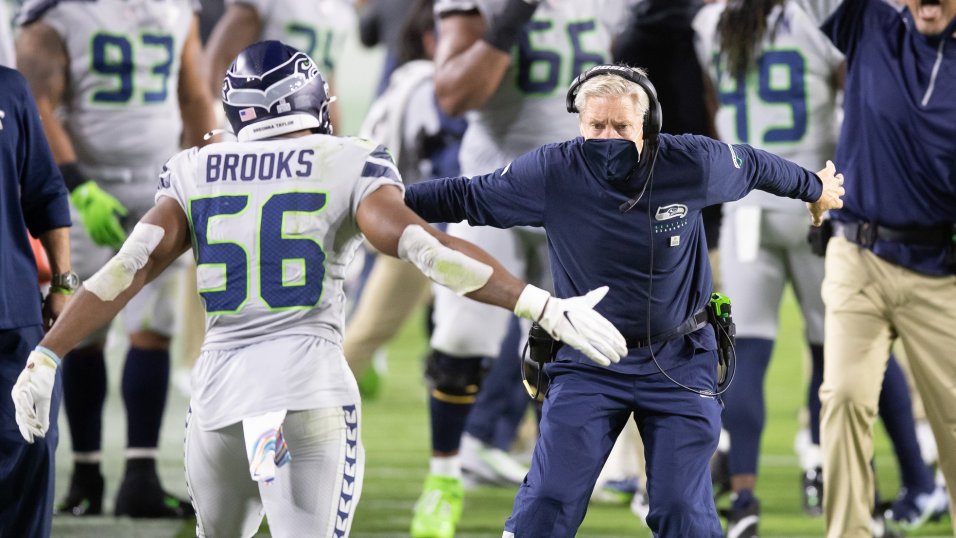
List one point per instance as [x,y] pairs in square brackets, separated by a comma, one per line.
[454,380]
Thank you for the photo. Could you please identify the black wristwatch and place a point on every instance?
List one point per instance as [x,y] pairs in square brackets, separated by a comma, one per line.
[65,283]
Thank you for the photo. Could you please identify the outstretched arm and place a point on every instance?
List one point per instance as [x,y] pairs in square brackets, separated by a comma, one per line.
[103,295]
[158,239]
[832,195]
[383,218]
[394,229]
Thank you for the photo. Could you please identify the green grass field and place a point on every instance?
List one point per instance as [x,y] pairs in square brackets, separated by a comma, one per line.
[396,440]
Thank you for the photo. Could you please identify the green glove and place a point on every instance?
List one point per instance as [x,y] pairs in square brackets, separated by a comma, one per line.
[99,212]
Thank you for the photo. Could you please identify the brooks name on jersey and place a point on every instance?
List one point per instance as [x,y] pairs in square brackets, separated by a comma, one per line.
[259,166]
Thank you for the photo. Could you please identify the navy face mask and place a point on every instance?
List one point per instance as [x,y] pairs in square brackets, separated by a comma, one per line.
[612,159]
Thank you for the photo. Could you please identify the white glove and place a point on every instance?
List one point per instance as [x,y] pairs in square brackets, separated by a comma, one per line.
[574,322]
[32,393]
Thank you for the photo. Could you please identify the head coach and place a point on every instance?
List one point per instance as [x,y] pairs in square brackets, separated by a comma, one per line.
[621,206]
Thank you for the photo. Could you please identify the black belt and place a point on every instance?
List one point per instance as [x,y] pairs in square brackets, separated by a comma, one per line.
[867,233]
[689,325]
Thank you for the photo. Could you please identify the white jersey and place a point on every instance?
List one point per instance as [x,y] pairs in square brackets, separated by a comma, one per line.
[274,230]
[563,39]
[787,105]
[317,27]
[122,108]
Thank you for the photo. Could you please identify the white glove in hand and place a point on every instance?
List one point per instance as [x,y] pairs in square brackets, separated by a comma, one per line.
[32,392]
[574,322]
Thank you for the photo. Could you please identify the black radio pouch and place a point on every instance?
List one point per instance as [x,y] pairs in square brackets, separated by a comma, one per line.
[718,314]
[541,349]
[819,236]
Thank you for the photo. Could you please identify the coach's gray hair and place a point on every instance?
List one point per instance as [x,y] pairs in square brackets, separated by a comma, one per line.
[613,86]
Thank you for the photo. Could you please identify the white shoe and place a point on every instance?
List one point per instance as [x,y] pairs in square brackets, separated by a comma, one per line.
[489,464]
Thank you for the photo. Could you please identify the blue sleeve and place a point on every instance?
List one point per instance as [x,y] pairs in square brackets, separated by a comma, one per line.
[734,170]
[43,194]
[510,196]
[845,25]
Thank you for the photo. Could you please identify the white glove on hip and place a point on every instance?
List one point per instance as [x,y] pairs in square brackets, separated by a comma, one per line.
[574,322]
[32,393]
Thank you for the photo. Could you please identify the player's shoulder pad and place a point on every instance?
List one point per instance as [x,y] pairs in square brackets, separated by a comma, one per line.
[172,170]
[33,10]
[378,162]
[374,149]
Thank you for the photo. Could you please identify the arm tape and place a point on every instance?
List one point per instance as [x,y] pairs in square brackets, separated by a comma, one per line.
[117,275]
[441,264]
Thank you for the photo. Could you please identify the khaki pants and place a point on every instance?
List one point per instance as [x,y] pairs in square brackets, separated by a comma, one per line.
[869,303]
[394,290]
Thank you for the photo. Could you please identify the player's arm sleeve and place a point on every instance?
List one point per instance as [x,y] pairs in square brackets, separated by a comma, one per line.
[733,170]
[510,196]
[43,195]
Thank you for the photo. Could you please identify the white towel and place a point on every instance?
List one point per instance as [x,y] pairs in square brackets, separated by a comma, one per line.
[265,447]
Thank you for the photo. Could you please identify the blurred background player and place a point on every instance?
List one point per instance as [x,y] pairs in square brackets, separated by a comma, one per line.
[505,64]
[318,28]
[33,201]
[118,87]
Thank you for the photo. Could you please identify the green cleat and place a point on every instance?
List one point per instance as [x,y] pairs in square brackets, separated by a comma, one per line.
[439,508]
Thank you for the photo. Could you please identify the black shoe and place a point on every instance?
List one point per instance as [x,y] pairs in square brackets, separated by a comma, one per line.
[743,523]
[141,495]
[813,492]
[720,474]
[85,496]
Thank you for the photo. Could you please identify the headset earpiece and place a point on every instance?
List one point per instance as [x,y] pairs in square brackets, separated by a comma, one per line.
[653,118]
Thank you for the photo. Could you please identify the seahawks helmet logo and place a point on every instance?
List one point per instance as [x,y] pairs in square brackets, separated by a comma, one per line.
[672,211]
[304,71]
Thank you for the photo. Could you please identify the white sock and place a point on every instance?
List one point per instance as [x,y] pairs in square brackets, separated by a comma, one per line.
[446,466]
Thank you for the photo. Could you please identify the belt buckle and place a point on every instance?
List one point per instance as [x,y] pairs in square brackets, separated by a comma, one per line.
[866,234]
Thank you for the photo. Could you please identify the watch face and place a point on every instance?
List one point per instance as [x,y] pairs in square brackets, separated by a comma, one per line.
[67,281]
